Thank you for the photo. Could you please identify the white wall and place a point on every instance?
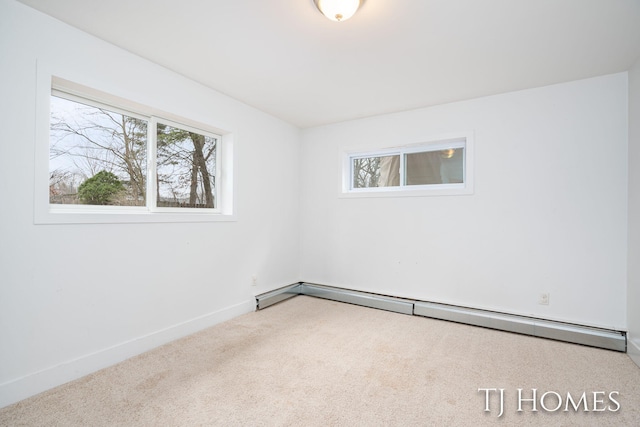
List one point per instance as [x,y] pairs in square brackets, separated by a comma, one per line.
[549,211]
[633,292]
[549,214]
[75,298]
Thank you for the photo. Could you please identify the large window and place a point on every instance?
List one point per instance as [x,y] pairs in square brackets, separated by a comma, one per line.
[106,159]
[436,167]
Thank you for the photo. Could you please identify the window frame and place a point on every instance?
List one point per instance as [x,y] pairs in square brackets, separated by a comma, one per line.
[456,141]
[45,212]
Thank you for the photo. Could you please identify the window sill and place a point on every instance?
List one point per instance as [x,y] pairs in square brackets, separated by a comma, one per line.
[405,192]
[126,216]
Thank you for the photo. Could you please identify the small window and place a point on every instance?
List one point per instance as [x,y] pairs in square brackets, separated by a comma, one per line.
[439,167]
[376,171]
[435,167]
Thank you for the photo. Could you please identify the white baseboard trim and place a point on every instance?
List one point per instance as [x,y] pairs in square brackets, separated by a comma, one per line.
[29,385]
[633,350]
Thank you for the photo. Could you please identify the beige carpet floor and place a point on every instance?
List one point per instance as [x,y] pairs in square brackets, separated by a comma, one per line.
[313,362]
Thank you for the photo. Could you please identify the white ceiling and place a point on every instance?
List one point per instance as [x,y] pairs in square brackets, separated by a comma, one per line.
[285,58]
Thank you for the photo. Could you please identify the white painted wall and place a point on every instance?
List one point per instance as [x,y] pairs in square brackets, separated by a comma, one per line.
[75,298]
[549,211]
[633,291]
[549,214]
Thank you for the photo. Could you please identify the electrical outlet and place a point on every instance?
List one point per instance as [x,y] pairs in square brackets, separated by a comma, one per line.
[254,280]
[543,299]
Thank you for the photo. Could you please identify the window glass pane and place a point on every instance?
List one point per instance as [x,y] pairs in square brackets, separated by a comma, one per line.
[186,166]
[383,171]
[96,156]
[435,167]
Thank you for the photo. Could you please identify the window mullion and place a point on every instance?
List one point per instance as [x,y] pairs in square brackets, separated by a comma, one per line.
[403,179]
[352,178]
[218,175]
[152,167]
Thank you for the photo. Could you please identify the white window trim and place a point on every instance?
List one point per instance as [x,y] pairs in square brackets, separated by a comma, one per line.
[45,213]
[435,143]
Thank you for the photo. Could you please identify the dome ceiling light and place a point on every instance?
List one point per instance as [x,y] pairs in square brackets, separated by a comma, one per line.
[338,10]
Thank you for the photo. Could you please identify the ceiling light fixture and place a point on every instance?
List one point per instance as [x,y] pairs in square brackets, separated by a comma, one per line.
[448,153]
[338,10]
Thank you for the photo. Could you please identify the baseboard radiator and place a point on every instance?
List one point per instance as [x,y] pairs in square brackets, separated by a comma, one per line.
[578,334]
